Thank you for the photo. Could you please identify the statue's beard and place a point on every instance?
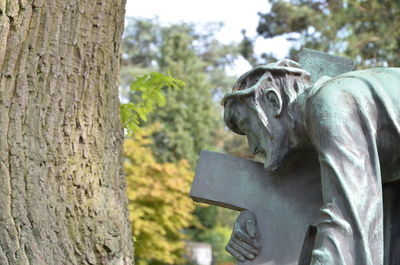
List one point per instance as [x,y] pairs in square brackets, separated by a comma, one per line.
[275,155]
[272,162]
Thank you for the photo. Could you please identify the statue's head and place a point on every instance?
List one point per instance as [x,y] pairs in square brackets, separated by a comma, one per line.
[261,107]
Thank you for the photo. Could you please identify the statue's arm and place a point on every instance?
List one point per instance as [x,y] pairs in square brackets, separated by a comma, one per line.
[350,224]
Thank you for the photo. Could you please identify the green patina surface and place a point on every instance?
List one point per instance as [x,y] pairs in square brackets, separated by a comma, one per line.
[351,119]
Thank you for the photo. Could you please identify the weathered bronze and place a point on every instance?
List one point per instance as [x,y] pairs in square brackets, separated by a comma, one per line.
[283,213]
[351,121]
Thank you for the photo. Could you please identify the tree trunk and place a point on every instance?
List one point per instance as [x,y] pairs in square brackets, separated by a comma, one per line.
[62,194]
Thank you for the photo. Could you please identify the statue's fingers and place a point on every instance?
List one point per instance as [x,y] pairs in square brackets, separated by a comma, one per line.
[242,236]
[234,253]
[241,250]
[251,228]
[245,245]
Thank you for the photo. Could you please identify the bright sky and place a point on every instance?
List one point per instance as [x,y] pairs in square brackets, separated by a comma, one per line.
[235,14]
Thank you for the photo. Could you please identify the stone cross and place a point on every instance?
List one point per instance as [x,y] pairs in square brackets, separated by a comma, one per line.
[319,64]
[285,202]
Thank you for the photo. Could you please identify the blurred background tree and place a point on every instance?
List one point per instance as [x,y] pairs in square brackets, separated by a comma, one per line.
[191,117]
[158,202]
[367,31]
[190,120]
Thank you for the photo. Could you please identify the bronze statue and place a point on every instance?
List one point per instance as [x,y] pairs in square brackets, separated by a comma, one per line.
[352,122]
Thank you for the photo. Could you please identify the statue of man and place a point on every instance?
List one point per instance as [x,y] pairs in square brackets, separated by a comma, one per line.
[352,121]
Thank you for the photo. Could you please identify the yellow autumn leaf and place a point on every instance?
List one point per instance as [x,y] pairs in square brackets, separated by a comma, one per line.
[158,201]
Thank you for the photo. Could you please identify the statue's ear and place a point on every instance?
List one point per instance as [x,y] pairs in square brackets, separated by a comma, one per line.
[274,100]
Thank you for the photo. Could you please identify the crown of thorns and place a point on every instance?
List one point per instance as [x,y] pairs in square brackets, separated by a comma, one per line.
[283,66]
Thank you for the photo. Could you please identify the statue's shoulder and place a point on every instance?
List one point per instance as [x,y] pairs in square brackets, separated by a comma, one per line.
[339,94]
[371,72]
[347,82]
[326,89]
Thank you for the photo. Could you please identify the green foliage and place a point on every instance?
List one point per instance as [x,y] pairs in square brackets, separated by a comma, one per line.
[215,229]
[218,237]
[354,28]
[191,117]
[150,90]
[158,203]
[139,42]
[207,216]
[246,48]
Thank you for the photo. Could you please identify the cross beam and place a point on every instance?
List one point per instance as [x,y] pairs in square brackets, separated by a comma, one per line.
[319,64]
[285,202]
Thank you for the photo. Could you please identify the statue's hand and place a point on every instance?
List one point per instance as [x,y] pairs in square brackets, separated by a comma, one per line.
[243,244]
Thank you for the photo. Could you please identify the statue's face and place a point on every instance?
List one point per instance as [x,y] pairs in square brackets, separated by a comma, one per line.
[271,140]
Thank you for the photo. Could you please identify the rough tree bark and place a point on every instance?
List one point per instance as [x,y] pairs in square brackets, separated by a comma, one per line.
[62,189]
